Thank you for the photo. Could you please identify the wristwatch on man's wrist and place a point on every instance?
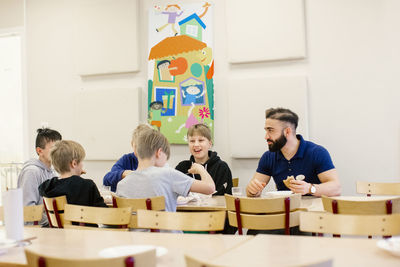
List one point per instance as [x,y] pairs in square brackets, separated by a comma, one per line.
[313,189]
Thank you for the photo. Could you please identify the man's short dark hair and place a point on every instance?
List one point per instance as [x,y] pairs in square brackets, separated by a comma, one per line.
[45,135]
[282,114]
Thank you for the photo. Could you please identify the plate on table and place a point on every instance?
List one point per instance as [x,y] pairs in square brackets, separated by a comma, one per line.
[278,193]
[391,244]
[130,250]
[184,200]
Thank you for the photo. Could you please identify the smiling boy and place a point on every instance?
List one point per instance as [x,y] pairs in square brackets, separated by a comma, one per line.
[199,141]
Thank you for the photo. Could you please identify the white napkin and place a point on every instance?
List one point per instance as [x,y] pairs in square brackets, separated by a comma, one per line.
[13,214]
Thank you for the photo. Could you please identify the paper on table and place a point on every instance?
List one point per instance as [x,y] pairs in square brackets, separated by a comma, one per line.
[13,214]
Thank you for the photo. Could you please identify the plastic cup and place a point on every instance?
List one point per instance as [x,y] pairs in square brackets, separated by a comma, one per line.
[237,191]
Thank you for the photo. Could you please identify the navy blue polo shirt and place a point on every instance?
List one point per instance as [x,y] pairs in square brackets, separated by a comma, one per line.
[310,160]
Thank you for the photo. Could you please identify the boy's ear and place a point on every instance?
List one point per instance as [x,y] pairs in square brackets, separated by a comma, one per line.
[158,153]
[73,163]
[39,150]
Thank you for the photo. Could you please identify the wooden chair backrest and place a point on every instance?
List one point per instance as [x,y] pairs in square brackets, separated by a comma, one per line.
[55,215]
[263,205]
[370,188]
[157,203]
[195,262]
[235,182]
[184,221]
[96,215]
[345,224]
[142,259]
[359,206]
[31,214]
[263,213]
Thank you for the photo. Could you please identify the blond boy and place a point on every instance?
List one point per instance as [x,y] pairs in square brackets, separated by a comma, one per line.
[67,157]
[126,164]
[151,178]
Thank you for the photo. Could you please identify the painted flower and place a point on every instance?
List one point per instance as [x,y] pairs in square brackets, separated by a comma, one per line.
[204,112]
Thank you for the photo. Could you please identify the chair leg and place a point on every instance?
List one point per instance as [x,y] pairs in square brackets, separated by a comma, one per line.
[149,207]
[57,214]
[47,214]
[115,205]
[287,216]
[238,218]
[41,262]
[389,205]
[129,262]
[335,211]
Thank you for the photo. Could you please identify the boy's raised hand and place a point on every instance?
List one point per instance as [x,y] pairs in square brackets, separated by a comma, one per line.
[196,168]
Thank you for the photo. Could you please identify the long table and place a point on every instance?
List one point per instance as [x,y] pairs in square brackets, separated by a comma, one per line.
[308,203]
[76,243]
[226,250]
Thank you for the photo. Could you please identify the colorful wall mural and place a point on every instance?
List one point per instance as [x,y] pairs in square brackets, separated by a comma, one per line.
[180,68]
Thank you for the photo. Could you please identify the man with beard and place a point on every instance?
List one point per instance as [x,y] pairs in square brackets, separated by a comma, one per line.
[290,155]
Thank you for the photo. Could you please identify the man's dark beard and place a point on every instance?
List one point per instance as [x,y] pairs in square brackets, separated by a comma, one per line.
[278,144]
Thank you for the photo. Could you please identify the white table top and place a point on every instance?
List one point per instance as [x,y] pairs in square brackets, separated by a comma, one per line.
[278,250]
[87,243]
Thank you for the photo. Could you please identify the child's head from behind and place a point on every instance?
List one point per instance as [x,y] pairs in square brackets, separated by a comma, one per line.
[67,155]
[138,130]
[152,143]
[199,141]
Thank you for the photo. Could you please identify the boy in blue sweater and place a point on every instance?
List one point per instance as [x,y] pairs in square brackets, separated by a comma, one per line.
[126,164]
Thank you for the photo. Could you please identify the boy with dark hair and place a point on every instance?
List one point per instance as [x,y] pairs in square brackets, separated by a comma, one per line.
[67,157]
[36,171]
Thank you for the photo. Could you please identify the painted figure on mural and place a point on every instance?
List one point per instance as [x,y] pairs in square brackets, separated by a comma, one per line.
[192,94]
[155,114]
[172,12]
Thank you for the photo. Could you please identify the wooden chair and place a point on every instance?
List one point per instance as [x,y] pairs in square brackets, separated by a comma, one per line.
[235,182]
[263,213]
[378,188]
[361,207]
[143,259]
[195,262]
[96,215]
[153,203]
[345,224]
[32,214]
[54,208]
[184,221]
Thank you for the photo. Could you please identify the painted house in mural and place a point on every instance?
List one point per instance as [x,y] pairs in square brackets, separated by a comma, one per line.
[192,26]
[180,83]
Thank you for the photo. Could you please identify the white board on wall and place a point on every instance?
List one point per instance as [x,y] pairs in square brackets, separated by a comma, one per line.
[105,120]
[106,36]
[248,100]
[264,30]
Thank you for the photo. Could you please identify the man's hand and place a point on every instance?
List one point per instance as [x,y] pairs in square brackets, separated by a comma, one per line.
[300,187]
[255,187]
[125,173]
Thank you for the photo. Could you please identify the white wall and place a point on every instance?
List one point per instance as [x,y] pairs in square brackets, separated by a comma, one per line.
[351,65]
